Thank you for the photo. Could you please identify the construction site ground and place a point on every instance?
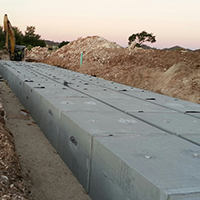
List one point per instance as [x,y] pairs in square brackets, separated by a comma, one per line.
[172,73]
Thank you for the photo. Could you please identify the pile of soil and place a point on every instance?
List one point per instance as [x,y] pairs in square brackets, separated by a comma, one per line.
[36,54]
[172,73]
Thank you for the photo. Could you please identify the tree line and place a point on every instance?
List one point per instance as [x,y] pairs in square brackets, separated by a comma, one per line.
[29,38]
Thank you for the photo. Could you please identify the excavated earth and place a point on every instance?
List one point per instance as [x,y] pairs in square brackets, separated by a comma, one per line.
[172,73]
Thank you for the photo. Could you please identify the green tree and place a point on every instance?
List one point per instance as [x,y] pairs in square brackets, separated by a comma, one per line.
[63,43]
[30,38]
[2,38]
[140,38]
[27,39]
[18,36]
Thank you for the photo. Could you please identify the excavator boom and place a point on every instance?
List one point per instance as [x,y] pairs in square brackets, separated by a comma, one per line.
[16,52]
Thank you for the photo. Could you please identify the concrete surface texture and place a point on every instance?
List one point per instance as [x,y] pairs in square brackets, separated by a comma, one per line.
[46,176]
[120,142]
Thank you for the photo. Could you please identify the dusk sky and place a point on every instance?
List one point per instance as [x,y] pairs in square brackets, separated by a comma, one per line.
[173,22]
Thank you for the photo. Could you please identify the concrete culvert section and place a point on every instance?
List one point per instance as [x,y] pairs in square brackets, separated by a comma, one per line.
[120,142]
[46,176]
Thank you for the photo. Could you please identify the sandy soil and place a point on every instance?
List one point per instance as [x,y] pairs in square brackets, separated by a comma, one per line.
[30,168]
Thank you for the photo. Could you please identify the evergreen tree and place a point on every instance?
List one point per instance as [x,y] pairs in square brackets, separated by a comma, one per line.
[142,37]
[63,43]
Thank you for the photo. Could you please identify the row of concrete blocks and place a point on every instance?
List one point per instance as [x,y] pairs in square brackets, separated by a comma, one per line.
[120,142]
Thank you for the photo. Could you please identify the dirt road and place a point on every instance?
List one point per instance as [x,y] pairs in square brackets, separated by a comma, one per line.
[46,176]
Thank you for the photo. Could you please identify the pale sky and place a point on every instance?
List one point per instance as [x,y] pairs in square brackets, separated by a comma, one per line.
[173,22]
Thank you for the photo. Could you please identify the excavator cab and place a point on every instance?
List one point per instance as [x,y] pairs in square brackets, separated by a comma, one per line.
[19,52]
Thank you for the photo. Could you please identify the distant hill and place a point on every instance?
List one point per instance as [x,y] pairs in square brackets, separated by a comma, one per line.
[51,43]
[144,46]
[175,48]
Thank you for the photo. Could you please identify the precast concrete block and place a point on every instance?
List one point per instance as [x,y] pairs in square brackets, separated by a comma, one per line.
[150,167]
[119,100]
[77,103]
[103,94]
[181,106]
[16,81]
[169,102]
[174,123]
[32,101]
[10,76]
[74,109]
[52,106]
[3,69]
[76,78]
[78,128]
[98,82]
[193,113]
[193,196]
[13,78]
[105,83]
[46,103]
[23,87]
[133,105]
[18,88]
[49,123]
[52,89]
[163,100]
[194,138]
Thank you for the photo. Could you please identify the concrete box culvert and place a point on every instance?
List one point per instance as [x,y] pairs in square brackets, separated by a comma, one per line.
[114,152]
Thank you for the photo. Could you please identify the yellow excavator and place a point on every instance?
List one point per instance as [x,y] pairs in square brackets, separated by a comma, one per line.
[16,52]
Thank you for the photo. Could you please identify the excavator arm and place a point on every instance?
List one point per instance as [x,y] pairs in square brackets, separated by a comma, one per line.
[16,51]
[9,32]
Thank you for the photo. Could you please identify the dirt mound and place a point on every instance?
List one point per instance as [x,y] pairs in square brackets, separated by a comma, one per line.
[182,81]
[94,49]
[37,54]
[172,73]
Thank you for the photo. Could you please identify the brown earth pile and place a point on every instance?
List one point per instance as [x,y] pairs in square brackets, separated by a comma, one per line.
[36,54]
[172,73]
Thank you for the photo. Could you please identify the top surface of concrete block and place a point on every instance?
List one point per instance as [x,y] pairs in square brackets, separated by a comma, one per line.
[166,161]
[194,196]
[170,102]
[110,122]
[174,123]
